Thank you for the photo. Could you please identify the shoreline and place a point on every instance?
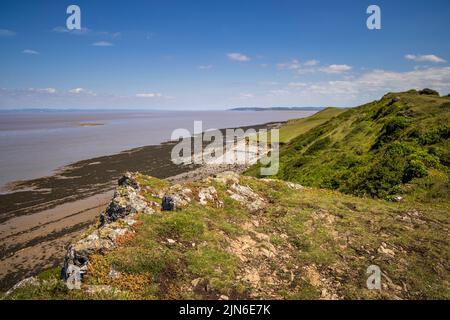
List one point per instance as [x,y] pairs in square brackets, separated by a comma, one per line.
[39,216]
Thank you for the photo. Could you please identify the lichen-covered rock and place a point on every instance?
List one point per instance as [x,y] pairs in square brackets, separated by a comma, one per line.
[127,180]
[115,222]
[209,196]
[245,195]
[126,201]
[294,186]
[180,195]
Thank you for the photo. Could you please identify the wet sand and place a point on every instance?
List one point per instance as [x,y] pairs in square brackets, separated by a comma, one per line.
[39,217]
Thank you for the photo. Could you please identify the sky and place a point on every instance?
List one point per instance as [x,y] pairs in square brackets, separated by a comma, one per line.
[218,54]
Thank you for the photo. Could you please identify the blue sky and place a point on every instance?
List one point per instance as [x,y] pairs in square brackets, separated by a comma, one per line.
[195,54]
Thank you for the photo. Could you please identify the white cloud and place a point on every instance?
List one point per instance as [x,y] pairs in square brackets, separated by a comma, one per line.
[235,56]
[43,90]
[81,91]
[7,33]
[102,44]
[292,65]
[369,86]
[29,51]
[336,68]
[82,31]
[295,64]
[206,67]
[149,95]
[424,58]
[311,63]
[77,90]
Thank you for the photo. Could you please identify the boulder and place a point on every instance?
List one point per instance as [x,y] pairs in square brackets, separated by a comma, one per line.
[167,204]
[181,196]
[245,195]
[127,180]
[294,186]
[209,196]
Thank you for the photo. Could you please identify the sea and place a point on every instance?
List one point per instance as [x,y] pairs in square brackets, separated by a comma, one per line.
[35,144]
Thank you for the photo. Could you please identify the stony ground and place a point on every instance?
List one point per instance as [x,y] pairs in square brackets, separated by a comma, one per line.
[235,237]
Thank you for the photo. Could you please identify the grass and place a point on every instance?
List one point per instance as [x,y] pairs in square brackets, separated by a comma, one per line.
[294,128]
[303,242]
[383,149]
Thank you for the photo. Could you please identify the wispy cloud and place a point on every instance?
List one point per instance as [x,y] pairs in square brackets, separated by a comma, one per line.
[149,95]
[82,31]
[292,65]
[424,58]
[86,31]
[206,67]
[235,56]
[102,44]
[7,33]
[336,68]
[246,96]
[43,90]
[311,63]
[309,66]
[29,51]
[370,85]
[80,91]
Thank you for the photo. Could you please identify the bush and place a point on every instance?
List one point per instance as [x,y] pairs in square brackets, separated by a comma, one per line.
[435,135]
[429,92]
[391,131]
[414,169]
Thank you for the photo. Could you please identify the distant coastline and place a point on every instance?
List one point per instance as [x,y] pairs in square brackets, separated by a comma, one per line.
[277,109]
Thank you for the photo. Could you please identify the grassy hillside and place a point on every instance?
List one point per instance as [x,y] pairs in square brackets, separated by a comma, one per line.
[296,127]
[255,239]
[398,145]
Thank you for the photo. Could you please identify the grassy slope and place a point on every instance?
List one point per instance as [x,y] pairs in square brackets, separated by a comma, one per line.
[306,244]
[380,149]
[296,127]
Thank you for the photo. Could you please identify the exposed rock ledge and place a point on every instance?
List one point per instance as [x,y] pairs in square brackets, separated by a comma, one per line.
[116,221]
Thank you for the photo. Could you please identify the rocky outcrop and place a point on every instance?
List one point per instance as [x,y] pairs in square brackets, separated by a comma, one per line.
[247,196]
[129,202]
[115,221]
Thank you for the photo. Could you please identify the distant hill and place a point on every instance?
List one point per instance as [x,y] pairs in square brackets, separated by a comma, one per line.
[277,109]
[398,145]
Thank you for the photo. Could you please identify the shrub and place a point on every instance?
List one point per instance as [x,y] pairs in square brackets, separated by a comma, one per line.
[435,135]
[391,131]
[414,169]
[429,92]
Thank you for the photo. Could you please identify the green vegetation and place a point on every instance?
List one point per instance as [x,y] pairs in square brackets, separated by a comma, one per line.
[294,128]
[395,146]
[274,240]
[303,244]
